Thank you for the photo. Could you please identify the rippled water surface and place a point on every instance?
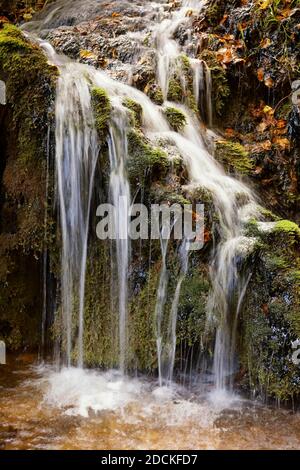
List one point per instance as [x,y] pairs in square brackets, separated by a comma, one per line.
[43,409]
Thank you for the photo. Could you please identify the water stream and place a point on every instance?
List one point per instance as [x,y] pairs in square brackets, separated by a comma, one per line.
[52,410]
[77,151]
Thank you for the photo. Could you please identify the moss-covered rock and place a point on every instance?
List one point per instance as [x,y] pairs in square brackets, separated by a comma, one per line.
[136,109]
[145,158]
[102,110]
[288,228]
[233,156]
[176,118]
[175,92]
[155,93]
[271,319]
[26,121]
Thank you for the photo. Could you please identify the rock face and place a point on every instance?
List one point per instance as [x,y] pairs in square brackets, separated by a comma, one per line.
[254,64]
[25,124]
[255,114]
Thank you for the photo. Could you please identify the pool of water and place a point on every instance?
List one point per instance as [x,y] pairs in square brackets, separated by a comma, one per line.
[44,409]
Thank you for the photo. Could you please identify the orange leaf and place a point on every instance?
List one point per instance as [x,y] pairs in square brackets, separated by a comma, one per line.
[282,143]
[229,132]
[265,43]
[281,123]
[260,75]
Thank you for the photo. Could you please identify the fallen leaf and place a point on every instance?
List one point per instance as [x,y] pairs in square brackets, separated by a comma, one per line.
[261,147]
[265,43]
[264,4]
[260,75]
[262,126]
[281,123]
[268,110]
[229,132]
[282,143]
[85,54]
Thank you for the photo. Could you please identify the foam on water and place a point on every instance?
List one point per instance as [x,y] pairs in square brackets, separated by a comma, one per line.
[81,391]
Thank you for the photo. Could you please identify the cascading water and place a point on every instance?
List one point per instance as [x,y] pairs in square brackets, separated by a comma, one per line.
[161,300]
[77,151]
[76,156]
[120,198]
[226,282]
[170,343]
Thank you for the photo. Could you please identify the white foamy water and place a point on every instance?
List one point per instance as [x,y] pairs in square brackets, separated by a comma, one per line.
[80,392]
[88,393]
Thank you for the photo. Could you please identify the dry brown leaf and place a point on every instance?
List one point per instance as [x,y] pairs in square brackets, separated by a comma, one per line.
[262,147]
[265,43]
[282,143]
[262,127]
[85,54]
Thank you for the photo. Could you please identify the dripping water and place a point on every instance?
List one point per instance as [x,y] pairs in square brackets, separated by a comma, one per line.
[120,198]
[77,152]
[171,340]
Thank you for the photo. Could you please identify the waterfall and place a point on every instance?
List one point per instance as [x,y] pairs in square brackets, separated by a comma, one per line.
[161,300]
[77,150]
[120,198]
[226,281]
[170,343]
[45,253]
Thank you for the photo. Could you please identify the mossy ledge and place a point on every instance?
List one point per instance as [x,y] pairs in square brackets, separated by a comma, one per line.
[144,158]
[102,111]
[176,118]
[136,109]
[234,157]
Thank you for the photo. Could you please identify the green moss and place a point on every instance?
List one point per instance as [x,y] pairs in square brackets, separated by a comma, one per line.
[192,307]
[30,92]
[102,110]
[176,118]
[268,333]
[233,156]
[136,109]
[175,92]
[185,64]
[162,194]
[143,350]
[155,93]
[145,158]
[278,262]
[30,83]
[287,227]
